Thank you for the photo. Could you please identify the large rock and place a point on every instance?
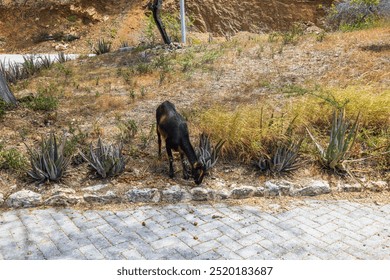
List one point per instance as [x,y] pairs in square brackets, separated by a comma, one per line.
[63,199]
[108,197]
[239,192]
[202,194]
[143,195]
[345,187]
[24,198]
[174,194]
[312,188]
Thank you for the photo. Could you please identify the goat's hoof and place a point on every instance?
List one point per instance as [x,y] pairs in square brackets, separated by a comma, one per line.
[186,177]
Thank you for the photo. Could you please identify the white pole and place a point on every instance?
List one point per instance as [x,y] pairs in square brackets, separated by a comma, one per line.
[183,22]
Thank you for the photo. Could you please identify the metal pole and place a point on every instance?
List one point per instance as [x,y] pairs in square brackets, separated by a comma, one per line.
[183,22]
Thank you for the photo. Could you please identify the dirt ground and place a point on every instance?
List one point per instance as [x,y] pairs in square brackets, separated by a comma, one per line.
[97,94]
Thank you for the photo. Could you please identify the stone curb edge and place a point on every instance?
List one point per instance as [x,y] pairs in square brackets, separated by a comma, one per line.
[175,194]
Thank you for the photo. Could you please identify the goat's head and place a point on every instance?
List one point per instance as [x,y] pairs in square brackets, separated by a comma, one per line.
[198,172]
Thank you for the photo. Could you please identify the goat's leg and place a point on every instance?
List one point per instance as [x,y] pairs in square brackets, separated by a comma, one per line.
[159,142]
[185,172]
[170,157]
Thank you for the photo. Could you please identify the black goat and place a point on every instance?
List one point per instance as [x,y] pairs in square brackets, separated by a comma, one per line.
[173,128]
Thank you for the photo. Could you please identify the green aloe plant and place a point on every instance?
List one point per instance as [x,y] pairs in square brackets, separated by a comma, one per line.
[103,46]
[283,158]
[106,160]
[48,162]
[342,138]
[207,155]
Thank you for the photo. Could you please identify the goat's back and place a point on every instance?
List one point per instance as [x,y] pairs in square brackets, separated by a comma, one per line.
[170,123]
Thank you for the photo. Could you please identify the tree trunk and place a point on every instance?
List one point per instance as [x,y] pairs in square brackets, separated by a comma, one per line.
[156,7]
[5,93]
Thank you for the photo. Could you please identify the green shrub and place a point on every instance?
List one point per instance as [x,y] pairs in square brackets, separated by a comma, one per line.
[102,47]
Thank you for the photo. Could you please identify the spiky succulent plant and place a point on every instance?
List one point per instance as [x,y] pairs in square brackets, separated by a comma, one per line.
[106,160]
[102,47]
[341,139]
[207,155]
[282,159]
[48,162]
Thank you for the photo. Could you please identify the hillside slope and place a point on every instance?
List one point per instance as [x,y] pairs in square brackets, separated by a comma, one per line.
[25,26]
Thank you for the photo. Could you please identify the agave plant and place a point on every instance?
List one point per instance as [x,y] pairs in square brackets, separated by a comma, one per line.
[342,138]
[48,162]
[206,155]
[103,46]
[283,159]
[106,160]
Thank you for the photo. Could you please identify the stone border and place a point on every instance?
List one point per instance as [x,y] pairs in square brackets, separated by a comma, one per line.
[174,194]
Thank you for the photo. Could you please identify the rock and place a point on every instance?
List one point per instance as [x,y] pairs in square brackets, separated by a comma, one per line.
[95,188]
[62,199]
[201,194]
[1,199]
[271,189]
[24,198]
[342,187]
[61,190]
[377,186]
[143,195]
[259,192]
[109,197]
[172,195]
[222,194]
[312,188]
[242,192]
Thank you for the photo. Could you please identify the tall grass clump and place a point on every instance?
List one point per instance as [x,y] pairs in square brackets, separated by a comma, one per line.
[248,129]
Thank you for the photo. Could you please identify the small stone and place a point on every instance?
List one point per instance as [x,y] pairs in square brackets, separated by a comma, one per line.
[143,195]
[312,188]
[24,198]
[196,238]
[222,194]
[377,186]
[342,187]
[216,217]
[259,192]
[242,192]
[95,188]
[271,189]
[172,195]
[195,224]
[143,224]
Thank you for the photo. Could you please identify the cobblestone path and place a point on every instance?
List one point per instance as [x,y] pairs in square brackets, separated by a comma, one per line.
[316,230]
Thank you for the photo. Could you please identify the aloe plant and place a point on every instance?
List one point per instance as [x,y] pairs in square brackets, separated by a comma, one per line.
[106,160]
[283,159]
[206,155]
[103,46]
[342,138]
[48,162]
